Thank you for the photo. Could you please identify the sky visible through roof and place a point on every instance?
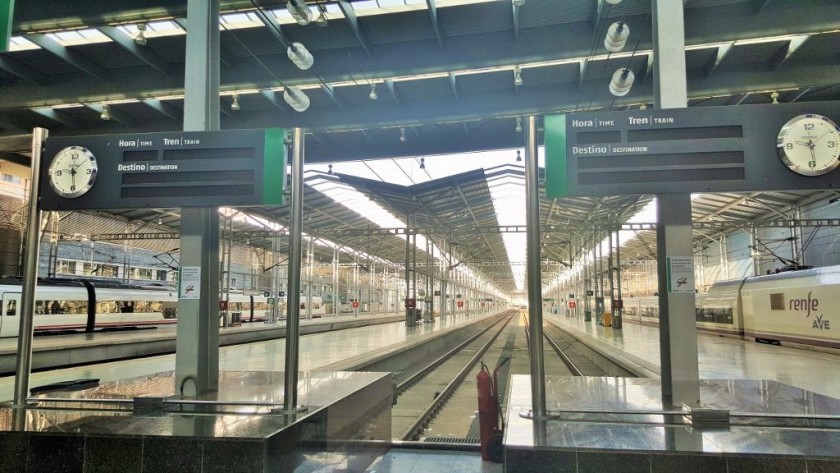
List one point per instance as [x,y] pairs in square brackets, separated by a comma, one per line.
[508,193]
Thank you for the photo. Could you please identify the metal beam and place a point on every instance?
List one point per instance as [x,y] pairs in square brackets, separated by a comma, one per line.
[392,89]
[271,96]
[432,7]
[453,83]
[273,27]
[22,71]
[515,21]
[60,117]
[788,50]
[165,108]
[331,94]
[353,21]
[140,52]
[722,51]
[69,56]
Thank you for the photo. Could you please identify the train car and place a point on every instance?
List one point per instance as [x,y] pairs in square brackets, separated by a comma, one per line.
[794,308]
[64,307]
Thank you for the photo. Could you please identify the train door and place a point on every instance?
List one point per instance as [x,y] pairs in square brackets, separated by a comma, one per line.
[9,312]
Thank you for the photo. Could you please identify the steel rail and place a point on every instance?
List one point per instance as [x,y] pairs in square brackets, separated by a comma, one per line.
[450,388]
[408,382]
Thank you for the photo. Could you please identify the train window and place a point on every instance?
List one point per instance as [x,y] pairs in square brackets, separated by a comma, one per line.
[11,307]
[777,301]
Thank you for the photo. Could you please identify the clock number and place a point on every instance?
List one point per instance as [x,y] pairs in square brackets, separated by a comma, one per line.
[809,126]
[72,188]
[832,144]
[812,164]
[58,173]
[789,145]
[87,171]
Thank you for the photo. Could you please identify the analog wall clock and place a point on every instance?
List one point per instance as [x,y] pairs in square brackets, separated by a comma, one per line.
[72,172]
[809,145]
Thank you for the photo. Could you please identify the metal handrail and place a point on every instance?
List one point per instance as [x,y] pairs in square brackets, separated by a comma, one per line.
[557,413]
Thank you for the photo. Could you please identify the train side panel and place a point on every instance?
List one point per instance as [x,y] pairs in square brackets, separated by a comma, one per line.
[800,307]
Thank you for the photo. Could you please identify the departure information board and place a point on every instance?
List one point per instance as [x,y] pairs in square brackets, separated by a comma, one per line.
[164,170]
[705,149]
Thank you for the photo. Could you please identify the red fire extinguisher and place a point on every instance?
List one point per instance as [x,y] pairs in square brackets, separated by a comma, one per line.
[488,413]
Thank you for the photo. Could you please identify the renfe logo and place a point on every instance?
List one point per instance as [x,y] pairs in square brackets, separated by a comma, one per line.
[810,305]
[805,305]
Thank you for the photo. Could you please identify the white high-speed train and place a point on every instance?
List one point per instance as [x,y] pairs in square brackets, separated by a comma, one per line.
[64,307]
[800,308]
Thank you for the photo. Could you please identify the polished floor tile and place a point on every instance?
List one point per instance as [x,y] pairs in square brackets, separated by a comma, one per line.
[423,461]
[722,358]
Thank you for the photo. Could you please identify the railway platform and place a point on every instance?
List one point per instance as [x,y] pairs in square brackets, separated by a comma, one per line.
[345,407]
[763,408]
[53,351]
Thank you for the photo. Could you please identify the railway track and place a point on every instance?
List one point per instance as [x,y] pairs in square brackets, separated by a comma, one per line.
[436,401]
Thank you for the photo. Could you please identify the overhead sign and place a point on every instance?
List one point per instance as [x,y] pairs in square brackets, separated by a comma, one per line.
[7,13]
[741,148]
[164,170]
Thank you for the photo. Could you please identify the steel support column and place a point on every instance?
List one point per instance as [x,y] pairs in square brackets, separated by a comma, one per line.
[23,364]
[295,249]
[197,342]
[677,325]
[535,324]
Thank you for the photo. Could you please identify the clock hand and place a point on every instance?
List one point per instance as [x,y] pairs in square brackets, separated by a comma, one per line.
[821,137]
[804,143]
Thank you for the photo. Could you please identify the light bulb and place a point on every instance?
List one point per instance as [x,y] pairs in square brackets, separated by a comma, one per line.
[517,76]
[140,39]
[422,163]
[322,19]
[235,105]
[402,135]
[373,95]
[300,56]
[106,114]
[296,99]
[518,128]
[300,12]
[518,156]
[616,38]
[330,172]
[622,81]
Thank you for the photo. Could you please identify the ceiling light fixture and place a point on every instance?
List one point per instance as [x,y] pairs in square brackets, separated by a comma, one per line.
[622,81]
[322,17]
[518,3]
[518,156]
[330,171]
[517,76]
[235,105]
[160,221]
[402,135]
[518,128]
[373,95]
[106,113]
[140,39]
[299,11]
[300,56]
[422,163]
[296,99]
[775,97]
[616,38]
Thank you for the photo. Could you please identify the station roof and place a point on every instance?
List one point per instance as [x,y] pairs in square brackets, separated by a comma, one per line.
[444,75]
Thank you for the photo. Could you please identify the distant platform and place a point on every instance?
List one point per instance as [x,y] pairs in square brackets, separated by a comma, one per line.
[770,427]
[142,425]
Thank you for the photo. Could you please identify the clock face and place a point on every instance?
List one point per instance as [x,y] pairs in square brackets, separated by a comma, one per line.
[72,172]
[809,145]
